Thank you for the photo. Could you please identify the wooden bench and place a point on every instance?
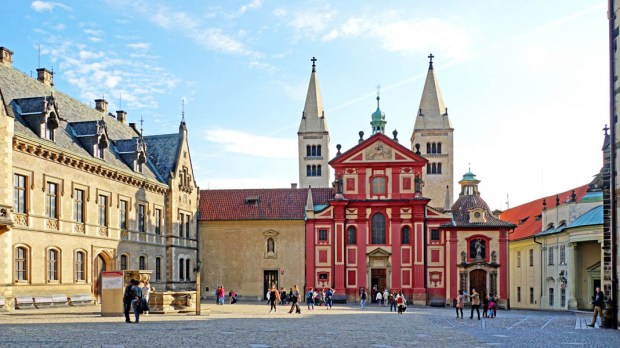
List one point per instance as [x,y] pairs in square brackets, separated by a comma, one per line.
[60,300]
[24,302]
[78,300]
[43,301]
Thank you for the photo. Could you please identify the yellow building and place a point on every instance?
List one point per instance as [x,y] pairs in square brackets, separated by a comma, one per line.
[82,192]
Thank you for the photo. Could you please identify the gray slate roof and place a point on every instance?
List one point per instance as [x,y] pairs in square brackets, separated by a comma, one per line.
[164,161]
[24,94]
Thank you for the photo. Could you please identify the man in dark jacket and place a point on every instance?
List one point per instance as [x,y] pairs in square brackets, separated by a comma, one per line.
[598,300]
[129,295]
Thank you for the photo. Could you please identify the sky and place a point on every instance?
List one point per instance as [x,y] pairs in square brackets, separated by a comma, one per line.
[526,82]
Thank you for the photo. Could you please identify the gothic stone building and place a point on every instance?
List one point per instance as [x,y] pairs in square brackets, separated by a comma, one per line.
[82,192]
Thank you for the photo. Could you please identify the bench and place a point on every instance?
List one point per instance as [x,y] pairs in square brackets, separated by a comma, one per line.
[43,301]
[24,302]
[78,300]
[60,300]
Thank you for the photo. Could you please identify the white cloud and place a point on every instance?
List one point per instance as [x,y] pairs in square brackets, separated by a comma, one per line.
[43,6]
[254,4]
[254,145]
[139,46]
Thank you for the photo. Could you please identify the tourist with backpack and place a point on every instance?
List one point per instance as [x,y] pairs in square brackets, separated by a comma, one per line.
[329,298]
[310,299]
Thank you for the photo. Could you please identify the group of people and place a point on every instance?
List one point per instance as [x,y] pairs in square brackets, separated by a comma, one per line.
[319,298]
[219,295]
[136,297]
[312,297]
[397,301]
[489,304]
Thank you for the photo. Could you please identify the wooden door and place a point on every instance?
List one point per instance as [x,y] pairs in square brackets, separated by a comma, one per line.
[478,281]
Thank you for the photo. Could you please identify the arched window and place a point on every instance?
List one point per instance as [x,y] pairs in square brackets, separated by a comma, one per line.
[434,148]
[271,246]
[428,168]
[351,235]
[80,266]
[434,168]
[438,168]
[123,262]
[477,246]
[378,229]
[308,170]
[181,269]
[21,264]
[313,150]
[438,147]
[318,170]
[313,170]
[158,269]
[142,263]
[53,265]
[308,151]
[428,147]
[405,237]
[318,150]
[187,270]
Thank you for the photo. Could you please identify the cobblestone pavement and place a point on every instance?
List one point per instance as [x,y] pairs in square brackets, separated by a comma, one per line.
[251,325]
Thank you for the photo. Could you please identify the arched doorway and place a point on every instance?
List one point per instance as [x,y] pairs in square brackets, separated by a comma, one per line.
[478,281]
[99,266]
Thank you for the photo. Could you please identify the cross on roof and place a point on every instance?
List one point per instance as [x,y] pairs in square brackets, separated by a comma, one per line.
[606,129]
[313,60]
[430,63]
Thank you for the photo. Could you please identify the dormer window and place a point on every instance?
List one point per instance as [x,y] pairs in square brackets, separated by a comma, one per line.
[48,133]
[477,215]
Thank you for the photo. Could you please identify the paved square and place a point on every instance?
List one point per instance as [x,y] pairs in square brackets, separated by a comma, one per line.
[251,325]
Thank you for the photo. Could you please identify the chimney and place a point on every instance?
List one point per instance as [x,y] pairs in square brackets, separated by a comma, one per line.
[6,56]
[293,185]
[133,126]
[121,116]
[45,76]
[101,105]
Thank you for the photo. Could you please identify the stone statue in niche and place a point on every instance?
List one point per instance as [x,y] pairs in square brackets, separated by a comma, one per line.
[463,256]
[493,256]
[478,246]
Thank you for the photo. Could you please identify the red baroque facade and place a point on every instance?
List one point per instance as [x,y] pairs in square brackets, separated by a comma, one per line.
[379,231]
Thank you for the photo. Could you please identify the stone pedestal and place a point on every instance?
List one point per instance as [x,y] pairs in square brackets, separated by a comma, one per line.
[162,302]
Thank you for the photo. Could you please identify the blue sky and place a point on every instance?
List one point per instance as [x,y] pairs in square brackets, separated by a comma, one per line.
[526,82]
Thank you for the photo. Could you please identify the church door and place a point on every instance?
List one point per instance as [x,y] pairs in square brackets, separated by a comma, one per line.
[269,278]
[378,279]
[99,267]
[478,281]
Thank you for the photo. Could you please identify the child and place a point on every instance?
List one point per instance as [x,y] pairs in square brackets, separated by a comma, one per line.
[492,307]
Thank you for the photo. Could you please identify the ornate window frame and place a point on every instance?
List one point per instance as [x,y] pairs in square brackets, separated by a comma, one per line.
[273,236]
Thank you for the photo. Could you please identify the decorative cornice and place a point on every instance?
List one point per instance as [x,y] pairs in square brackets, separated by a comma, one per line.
[50,153]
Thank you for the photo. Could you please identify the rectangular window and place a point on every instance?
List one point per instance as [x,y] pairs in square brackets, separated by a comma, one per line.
[123,262]
[52,265]
[158,269]
[19,194]
[142,263]
[181,224]
[378,185]
[103,210]
[531,295]
[562,254]
[141,218]
[188,220]
[181,269]
[323,235]
[78,206]
[551,256]
[518,259]
[158,221]
[21,264]
[518,294]
[563,297]
[52,201]
[531,257]
[49,133]
[435,234]
[551,299]
[187,270]
[122,215]
[79,266]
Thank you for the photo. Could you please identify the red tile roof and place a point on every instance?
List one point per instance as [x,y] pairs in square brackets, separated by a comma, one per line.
[524,215]
[259,204]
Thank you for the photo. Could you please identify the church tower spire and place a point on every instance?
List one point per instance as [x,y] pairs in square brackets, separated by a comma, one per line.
[313,138]
[433,132]
[378,118]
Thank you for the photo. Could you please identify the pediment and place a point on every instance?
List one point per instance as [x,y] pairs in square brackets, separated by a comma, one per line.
[379,252]
[270,233]
[378,148]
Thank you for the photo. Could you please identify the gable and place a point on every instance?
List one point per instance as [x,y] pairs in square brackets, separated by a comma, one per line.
[378,148]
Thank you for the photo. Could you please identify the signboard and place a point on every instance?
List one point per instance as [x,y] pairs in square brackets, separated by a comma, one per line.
[112,280]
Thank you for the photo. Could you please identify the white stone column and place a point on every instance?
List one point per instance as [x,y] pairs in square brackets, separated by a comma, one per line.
[571,286]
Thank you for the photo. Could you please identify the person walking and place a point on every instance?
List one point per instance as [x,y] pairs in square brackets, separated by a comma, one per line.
[475,303]
[146,293]
[379,298]
[135,302]
[459,304]
[598,300]
[129,295]
[392,300]
[363,299]
[386,294]
[294,296]
[310,299]
[485,306]
[329,298]
[274,298]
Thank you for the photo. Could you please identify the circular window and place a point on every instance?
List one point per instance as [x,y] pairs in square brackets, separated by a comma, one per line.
[477,215]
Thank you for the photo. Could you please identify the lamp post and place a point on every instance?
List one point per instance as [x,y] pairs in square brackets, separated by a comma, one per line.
[197,271]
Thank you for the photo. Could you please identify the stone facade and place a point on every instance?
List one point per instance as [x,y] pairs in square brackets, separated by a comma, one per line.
[88,193]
